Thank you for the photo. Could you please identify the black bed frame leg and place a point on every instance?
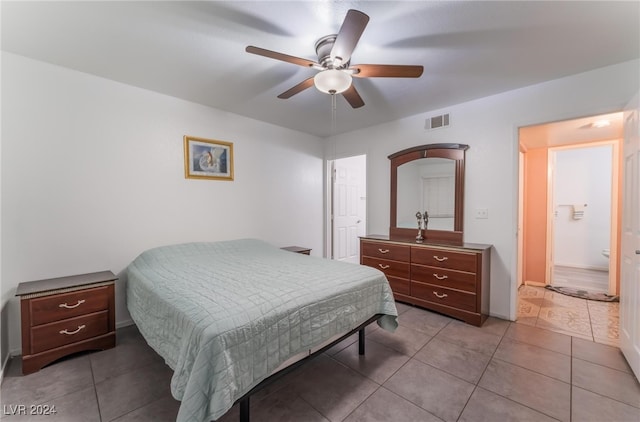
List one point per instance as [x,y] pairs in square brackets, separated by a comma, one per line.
[244,409]
[243,402]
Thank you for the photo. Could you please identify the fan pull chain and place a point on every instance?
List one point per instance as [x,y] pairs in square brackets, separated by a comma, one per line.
[333,113]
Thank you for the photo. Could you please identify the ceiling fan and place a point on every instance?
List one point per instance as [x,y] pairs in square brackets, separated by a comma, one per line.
[334,58]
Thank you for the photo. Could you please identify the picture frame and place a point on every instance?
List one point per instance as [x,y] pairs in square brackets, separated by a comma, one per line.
[207,159]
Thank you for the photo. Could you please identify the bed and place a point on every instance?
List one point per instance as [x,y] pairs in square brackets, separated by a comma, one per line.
[226,315]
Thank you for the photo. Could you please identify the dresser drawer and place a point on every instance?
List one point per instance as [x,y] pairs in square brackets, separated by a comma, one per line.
[399,285]
[443,277]
[444,258]
[444,296]
[389,268]
[66,305]
[386,251]
[56,334]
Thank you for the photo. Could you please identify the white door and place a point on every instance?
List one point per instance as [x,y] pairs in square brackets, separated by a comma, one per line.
[630,253]
[520,218]
[349,207]
[551,220]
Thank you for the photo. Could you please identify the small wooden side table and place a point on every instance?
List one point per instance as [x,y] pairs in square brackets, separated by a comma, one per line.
[66,315]
[298,249]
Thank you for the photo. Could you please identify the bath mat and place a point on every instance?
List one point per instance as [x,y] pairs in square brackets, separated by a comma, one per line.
[584,294]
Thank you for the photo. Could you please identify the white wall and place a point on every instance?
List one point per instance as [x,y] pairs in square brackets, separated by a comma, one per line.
[583,176]
[93,174]
[490,127]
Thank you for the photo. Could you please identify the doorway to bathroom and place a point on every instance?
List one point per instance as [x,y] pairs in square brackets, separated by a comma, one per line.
[583,204]
[565,229]
[570,199]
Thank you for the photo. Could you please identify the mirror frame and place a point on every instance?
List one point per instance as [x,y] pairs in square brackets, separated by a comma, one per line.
[451,151]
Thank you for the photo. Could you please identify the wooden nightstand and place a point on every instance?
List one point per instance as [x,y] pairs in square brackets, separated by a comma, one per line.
[298,249]
[66,315]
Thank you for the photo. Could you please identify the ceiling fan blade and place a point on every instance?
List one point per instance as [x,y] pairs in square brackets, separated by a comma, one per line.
[280,56]
[352,97]
[307,83]
[386,71]
[352,28]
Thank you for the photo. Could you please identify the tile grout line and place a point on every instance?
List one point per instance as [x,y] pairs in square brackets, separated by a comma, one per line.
[379,386]
[571,377]
[598,393]
[476,384]
[363,375]
[593,337]
[513,364]
[402,366]
[537,347]
[95,390]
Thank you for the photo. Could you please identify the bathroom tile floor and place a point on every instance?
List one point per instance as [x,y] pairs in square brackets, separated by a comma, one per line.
[587,319]
[432,369]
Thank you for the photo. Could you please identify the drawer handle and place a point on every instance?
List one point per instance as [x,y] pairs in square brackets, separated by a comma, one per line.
[383,250]
[440,296]
[440,277]
[70,333]
[384,267]
[440,258]
[64,305]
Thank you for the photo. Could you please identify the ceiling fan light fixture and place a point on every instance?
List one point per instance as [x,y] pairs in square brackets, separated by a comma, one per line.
[332,81]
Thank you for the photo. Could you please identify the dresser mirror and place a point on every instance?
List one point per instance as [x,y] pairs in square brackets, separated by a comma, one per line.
[428,178]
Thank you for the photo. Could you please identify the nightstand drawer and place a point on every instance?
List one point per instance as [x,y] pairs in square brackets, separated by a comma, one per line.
[56,334]
[61,306]
[66,315]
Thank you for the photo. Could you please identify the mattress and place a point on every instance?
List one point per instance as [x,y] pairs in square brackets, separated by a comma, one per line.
[225,315]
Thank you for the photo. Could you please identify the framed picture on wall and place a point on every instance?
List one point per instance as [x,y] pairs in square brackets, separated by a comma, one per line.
[207,159]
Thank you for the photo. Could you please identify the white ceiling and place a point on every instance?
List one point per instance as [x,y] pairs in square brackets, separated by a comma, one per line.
[571,132]
[195,50]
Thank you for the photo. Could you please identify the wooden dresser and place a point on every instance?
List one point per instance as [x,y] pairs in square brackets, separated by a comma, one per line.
[66,315]
[453,280]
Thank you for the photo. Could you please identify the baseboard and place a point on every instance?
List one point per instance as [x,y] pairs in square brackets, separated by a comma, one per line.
[4,366]
[534,283]
[582,267]
[500,316]
[125,323]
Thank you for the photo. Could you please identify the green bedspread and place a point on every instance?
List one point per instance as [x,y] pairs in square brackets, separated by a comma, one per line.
[225,315]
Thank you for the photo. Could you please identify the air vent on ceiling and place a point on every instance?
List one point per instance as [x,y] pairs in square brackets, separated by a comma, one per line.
[436,122]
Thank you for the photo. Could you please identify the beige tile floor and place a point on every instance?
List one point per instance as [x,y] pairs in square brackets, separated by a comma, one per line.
[587,319]
[432,369]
